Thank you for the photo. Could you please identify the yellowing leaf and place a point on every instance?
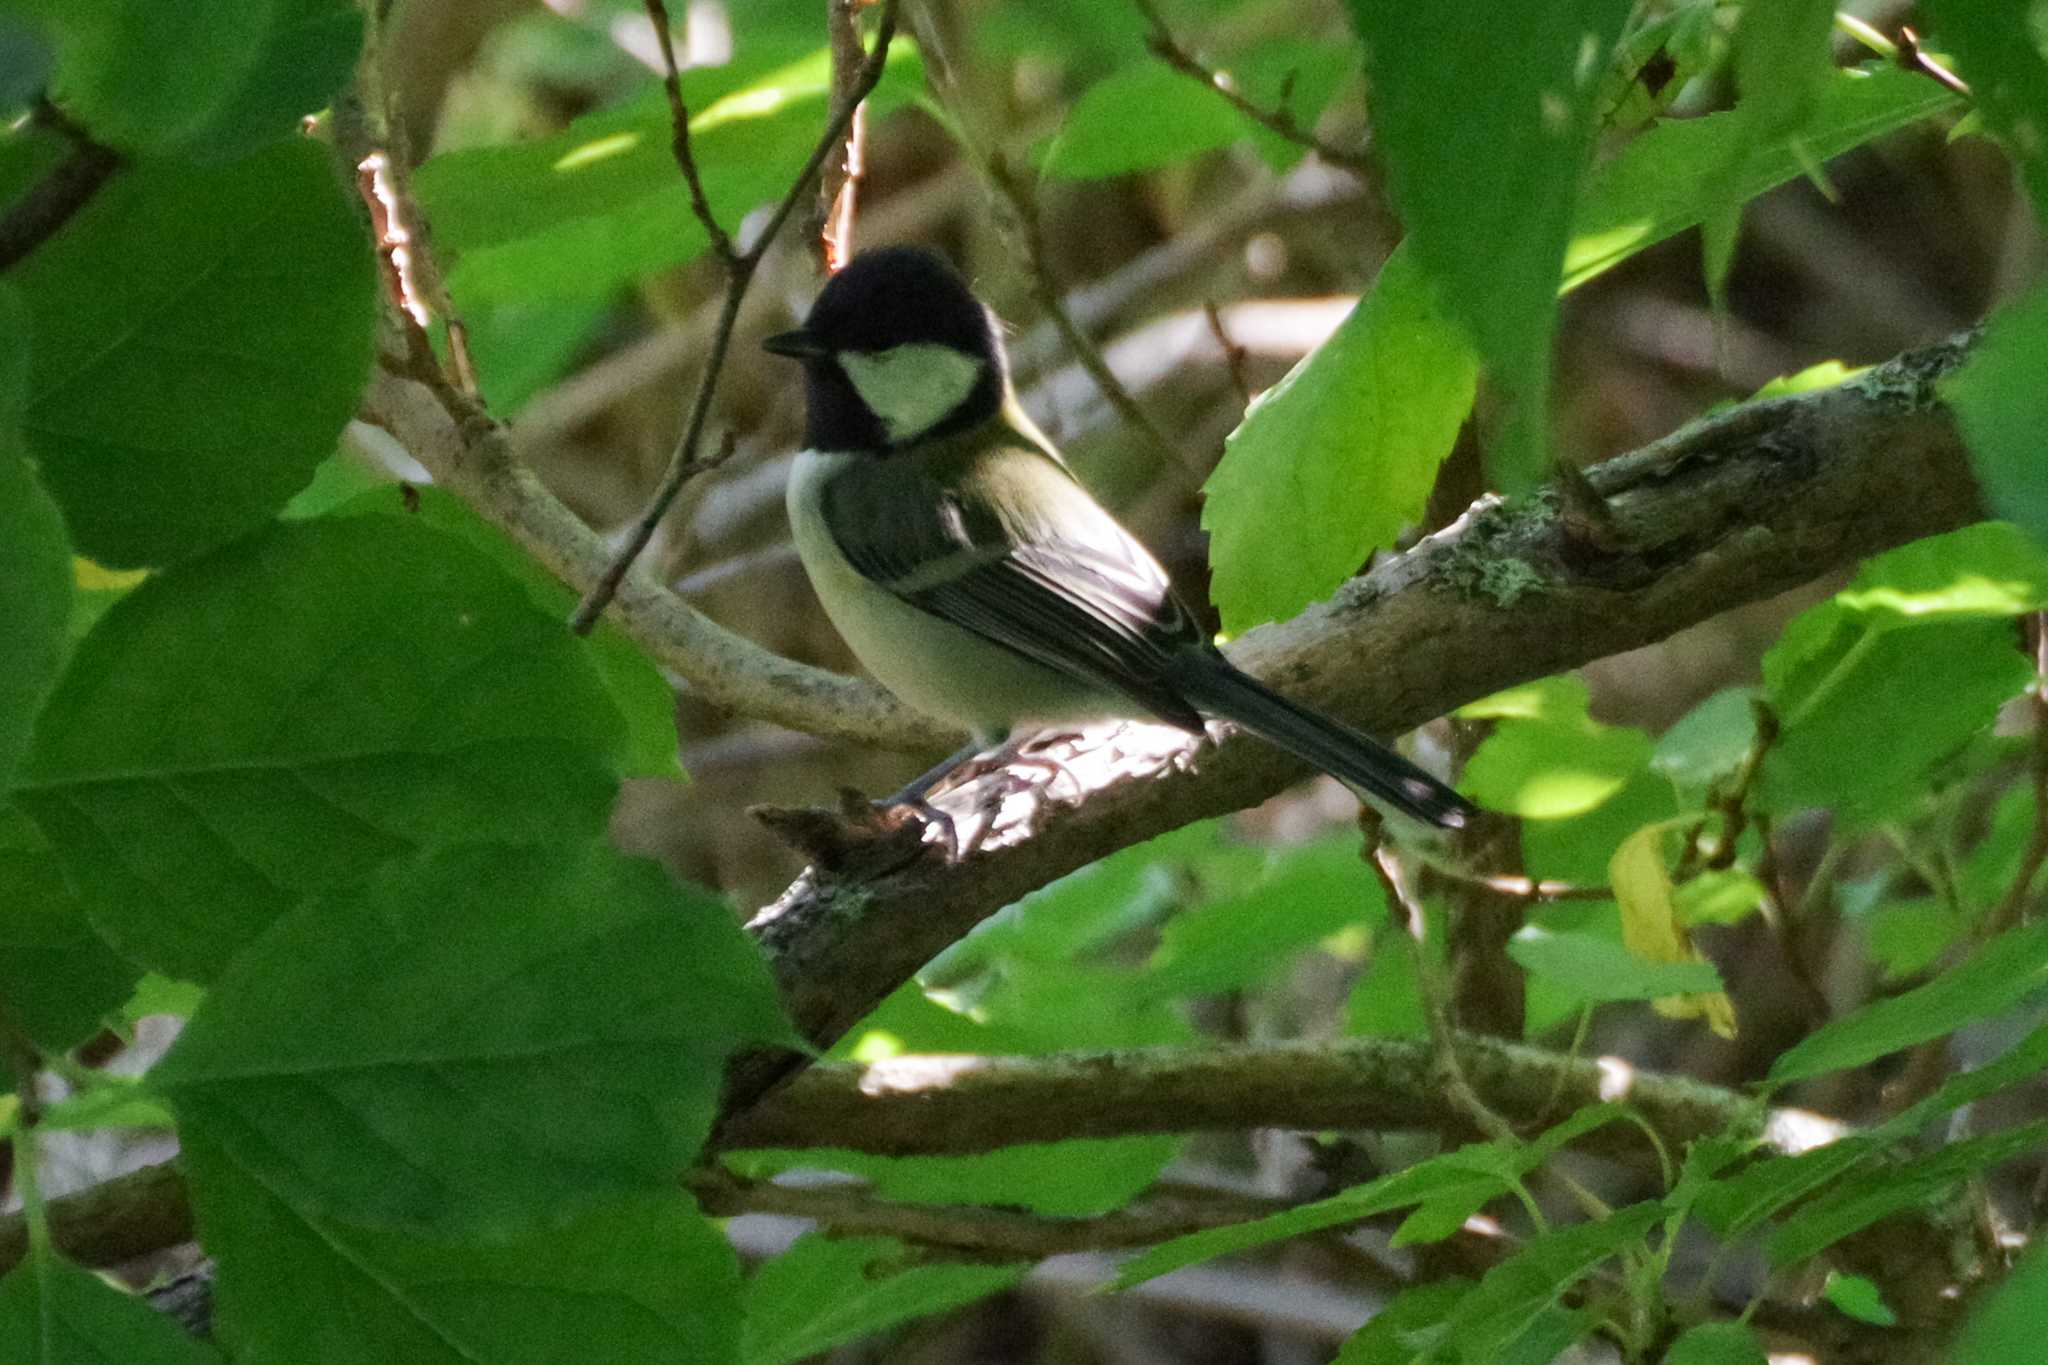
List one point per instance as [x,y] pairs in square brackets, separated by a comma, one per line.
[1650,926]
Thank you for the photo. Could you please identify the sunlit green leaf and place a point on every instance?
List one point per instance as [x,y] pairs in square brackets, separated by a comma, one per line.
[1918,650]
[1547,759]
[1505,94]
[1147,114]
[1352,436]
[1663,182]
[602,203]
[1782,61]
[1860,1298]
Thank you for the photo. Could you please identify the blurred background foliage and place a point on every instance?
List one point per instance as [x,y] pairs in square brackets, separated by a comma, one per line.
[1722,842]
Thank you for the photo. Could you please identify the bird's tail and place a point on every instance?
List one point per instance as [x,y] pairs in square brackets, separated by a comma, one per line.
[1214,686]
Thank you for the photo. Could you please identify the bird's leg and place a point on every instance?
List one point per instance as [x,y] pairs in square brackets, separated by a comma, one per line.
[918,788]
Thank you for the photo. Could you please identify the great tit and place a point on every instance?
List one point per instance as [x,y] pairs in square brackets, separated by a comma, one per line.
[971,572]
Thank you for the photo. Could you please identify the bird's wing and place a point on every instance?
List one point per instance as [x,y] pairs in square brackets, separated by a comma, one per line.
[999,539]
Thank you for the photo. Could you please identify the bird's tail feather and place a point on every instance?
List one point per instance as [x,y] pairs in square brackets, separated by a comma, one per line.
[1314,738]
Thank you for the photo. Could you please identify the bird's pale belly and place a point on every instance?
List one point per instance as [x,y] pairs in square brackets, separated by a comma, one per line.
[934,666]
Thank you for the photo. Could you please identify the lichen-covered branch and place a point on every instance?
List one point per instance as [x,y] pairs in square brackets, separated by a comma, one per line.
[1735,508]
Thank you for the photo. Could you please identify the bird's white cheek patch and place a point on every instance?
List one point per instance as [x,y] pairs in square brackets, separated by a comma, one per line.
[913,387]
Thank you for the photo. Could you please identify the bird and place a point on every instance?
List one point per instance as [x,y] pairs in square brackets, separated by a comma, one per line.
[973,574]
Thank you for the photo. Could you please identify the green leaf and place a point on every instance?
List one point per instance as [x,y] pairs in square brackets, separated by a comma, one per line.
[1547,759]
[405,693]
[501,1035]
[1998,47]
[35,565]
[201,336]
[1505,94]
[2009,1326]
[1739,1203]
[1309,893]
[1466,1178]
[1853,1204]
[640,1279]
[1716,1343]
[1148,115]
[1665,181]
[1782,61]
[1438,1177]
[58,977]
[142,76]
[1860,1298]
[1352,436]
[1998,976]
[826,1291]
[643,697]
[1143,116]
[1599,970]
[1918,649]
[1385,1002]
[307,51]
[2002,407]
[1406,1327]
[53,1313]
[601,203]
[1515,1293]
[1709,742]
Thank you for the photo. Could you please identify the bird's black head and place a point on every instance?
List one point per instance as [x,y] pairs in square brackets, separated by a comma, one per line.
[896,349]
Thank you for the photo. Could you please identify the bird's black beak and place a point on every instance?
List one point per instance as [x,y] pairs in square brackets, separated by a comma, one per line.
[797,345]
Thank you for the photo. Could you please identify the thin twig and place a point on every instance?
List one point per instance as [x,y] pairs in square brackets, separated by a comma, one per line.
[52,201]
[1436,1011]
[980,1233]
[1022,198]
[1165,47]
[384,181]
[740,268]
[1536,891]
[679,143]
[1233,354]
[2014,901]
[1914,58]
[839,180]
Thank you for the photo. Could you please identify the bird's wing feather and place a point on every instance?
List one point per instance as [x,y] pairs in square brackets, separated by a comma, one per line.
[983,538]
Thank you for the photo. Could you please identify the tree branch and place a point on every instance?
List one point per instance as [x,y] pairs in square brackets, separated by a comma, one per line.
[958,1105]
[978,1233]
[955,1106]
[468,453]
[1737,507]
[50,203]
